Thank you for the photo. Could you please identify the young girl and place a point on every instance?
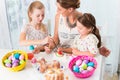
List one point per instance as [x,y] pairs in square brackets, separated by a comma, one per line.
[89,40]
[35,32]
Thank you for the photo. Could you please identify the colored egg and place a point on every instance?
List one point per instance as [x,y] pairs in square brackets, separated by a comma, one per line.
[15,61]
[10,57]
[80,69]
[7,61]
[75,68]
[78,62]
[85,61]
[89,68]
[21,57]
[8,65]
[30,56]
[84,71]
[13,58]
[84,66]
[31,47]
[16,55]
[91,64]
[22,61]
[34,60]
[15,64]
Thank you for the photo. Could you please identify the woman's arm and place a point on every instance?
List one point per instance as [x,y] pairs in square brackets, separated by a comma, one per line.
[55,40]
[65,50]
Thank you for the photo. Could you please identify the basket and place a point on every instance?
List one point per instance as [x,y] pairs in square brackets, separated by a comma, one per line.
[19,67]
[82,75]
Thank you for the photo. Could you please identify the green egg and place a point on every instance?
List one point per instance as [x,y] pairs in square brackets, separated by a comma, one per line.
[22,61]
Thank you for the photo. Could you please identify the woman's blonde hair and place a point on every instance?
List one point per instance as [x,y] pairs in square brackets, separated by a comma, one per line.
[36,5]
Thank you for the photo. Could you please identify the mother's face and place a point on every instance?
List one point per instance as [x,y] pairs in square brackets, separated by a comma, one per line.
[62,10]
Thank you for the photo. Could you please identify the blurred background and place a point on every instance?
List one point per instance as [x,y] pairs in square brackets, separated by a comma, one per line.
[13,15]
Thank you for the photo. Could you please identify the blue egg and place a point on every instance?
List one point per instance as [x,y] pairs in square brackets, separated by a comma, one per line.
[91,64]
[76,68]
[16,55]
[31,47]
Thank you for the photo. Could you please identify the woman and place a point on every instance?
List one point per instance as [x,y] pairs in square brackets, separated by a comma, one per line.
[65,27]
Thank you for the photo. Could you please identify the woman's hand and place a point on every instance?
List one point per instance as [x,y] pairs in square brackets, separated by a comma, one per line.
[36,50]
[104,51]
[47,49]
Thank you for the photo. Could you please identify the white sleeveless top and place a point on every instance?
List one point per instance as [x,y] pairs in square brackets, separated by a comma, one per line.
[66,34]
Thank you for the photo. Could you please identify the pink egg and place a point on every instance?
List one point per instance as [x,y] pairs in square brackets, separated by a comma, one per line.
[84,71]
[15,64]
[10,57]
[21,57]
[78,62]
[8,65]
[89,68]
[34,60]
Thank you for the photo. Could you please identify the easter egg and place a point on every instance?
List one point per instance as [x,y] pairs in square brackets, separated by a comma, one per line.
[75,68]
[78,62]
[21,57]
[85,61]
[22,61]
[10,57]
[30,56]
[91,64]
[15,61]
[89,68]
[15,64]
[84,66]
[16,55]
[34,60]
[80,69]
[84,71]
[8,65]
[31,47]
[7,61]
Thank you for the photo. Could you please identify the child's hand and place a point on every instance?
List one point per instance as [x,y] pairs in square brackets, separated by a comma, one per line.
[59,49]
[36,50]
[75,51]
[47,49]
[104,51]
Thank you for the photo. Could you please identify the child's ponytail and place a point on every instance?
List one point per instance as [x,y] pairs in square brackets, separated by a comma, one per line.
[96,32]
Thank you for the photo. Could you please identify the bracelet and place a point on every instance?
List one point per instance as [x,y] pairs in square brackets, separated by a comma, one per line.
[54,42]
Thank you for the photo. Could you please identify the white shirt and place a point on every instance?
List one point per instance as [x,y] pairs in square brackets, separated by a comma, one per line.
[89,43]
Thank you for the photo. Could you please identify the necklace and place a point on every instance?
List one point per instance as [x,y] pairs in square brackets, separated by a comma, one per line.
[69,24]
